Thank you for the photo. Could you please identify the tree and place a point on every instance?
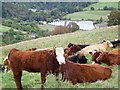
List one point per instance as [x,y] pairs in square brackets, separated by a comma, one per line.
[101,19]
[59,30]
[114,18]
[105,8]
[72,27]
[92,8]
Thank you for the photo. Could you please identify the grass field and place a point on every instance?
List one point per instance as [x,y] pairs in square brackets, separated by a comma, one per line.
[32,80]
[94,15]
[5,29]
[101,5]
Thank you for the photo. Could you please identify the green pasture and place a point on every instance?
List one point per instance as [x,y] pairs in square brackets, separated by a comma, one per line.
[101,5]
[94,15]
[32,80]
[5,29]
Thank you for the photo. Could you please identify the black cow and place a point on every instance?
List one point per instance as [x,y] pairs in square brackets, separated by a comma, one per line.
[81,46]
[76,59]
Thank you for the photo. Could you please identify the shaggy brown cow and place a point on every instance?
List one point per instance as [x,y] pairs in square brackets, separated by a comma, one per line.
[95,55]
[33,61]
[115,51]
[109,59]
[6,64]
[79,73]
[72,50]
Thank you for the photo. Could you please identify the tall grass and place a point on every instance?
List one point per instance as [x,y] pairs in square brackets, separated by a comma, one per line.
[32,80]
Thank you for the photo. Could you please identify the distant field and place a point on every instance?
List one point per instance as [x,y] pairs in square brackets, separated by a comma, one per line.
[47,27]
[32,80]
[101,5]
[94,15]
[5,29]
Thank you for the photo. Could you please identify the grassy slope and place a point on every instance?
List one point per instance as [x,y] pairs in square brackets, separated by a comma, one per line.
[83,37]
[95,15]
[30,80]
[4,28]
[101,5]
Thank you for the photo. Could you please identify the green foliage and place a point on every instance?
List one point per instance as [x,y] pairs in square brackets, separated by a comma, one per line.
[72,27]
[60,30]
[44,11]
[114,18]
[92,8]
[11,36]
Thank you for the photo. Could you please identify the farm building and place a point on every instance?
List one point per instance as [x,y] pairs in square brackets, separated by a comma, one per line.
[83,25]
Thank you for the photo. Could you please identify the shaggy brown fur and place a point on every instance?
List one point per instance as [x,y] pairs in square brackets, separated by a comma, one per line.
[109,59]
[79,73]
[96,54]
[32,61]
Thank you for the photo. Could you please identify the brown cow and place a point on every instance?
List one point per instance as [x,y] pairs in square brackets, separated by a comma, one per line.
[115,51]
[72,50]
[33,61]
[95,54]
[109,59]
[79,73]
[6,64]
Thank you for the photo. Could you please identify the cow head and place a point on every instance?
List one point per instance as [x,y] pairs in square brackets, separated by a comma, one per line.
[70,44]
[109,43]
[75,48]
[60,55]
[95,55]
[102,57]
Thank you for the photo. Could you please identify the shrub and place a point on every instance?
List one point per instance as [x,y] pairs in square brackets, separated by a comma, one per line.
[59,30]
[72,27]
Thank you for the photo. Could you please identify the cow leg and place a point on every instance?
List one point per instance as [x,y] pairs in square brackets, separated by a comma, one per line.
[17,78]
[57,76]
[43,79]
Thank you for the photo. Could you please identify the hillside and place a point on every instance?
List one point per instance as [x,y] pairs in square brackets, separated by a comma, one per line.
[82,37]
[5,29]
[32,80]
[101,5]
[86,15]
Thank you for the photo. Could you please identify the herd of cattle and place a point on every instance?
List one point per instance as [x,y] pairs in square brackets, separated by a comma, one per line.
[72,66]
